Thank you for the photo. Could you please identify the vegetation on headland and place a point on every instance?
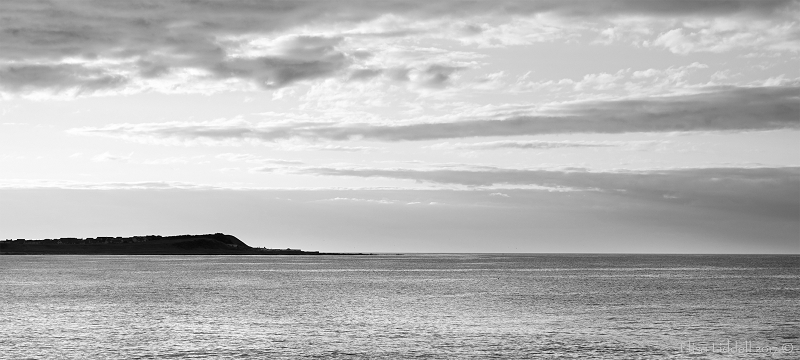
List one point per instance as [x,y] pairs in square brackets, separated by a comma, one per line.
[207,244]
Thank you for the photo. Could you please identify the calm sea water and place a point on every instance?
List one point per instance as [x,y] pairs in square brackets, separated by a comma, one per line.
[400,307]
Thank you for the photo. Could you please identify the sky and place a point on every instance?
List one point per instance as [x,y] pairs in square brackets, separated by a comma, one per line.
[610,126]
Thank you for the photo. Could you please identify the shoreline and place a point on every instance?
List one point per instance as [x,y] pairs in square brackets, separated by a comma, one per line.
[205,244]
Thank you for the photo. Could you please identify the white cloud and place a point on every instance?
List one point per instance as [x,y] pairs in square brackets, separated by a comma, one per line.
[601,81]
[373,201]
[721,35]
[76,185]
[255,159]
[106,156]
[623,82]
[173,160]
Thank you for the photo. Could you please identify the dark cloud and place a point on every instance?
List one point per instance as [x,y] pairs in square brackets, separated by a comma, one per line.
[472,29]
[161,36]
[398,74]
[771,192]
[669,8]
[362,54]
[300,58]
[438,76]
[435,76]
[725,109]
[386,34]
[19,78]
[365,74]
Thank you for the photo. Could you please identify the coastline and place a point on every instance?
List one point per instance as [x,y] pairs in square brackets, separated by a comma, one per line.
[205,244]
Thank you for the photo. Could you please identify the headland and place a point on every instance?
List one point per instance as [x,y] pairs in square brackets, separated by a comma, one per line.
[206,244]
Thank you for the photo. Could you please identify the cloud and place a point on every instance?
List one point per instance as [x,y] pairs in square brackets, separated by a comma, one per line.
[106,156]
[83,46]
[438,76]
[773,192]
[364,74]
[717,109]
[250,158]
[720,35]
[296,58]
[529,145]
[74,185]
[382,201]
[173,160]
[599,81]
[640,82]
[57,78]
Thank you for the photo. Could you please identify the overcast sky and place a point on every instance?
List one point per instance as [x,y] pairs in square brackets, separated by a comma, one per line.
[405,125]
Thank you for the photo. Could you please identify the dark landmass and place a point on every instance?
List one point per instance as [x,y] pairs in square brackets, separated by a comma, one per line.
[208,244]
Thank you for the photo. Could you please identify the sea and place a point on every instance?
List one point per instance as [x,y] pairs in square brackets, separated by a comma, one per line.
[400,306]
